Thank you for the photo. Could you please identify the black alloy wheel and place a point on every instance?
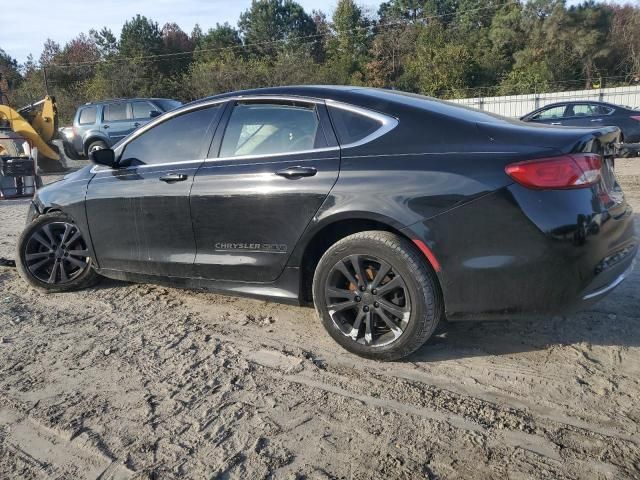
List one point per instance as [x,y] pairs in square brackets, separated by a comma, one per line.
[367,300]
[376,295]
[53,255]
[57,253]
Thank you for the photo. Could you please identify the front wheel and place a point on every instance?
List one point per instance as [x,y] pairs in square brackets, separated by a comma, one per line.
[53,255]
[376,295]
[96,145]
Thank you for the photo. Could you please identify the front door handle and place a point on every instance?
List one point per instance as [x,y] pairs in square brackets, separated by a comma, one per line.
[173,177]
[297,172]
[136,124]
[556,123]
[105,126]
[596,120]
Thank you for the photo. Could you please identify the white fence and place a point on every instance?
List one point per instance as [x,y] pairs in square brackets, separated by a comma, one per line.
[519,105]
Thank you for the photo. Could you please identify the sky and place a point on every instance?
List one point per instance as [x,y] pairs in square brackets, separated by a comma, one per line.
[26,24]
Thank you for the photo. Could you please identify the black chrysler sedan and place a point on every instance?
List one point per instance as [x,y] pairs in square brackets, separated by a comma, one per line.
[590,114]
[388,211]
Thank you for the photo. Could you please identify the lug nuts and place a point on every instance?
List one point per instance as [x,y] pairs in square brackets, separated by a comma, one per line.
[376,304]
[374,291]
[365,308]
[357,299]
[362,288]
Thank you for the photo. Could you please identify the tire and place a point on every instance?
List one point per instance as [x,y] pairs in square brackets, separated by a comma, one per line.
[345,308]
[54,226]
[96,145]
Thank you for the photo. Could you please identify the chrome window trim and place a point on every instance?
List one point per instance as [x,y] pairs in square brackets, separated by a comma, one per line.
[387,122]
[188,108]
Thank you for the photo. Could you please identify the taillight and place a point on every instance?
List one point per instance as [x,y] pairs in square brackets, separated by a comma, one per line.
[567,171]
[636,117]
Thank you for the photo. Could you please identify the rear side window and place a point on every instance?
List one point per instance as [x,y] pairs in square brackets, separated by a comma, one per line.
[143,109]
[174,140]
[350,126]
[115,112]
[265,129]
[88,116]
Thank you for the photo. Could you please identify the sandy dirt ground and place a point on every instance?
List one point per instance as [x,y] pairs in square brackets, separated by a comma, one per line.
[140,381]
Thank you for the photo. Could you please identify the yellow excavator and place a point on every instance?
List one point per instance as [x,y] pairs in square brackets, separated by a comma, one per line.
[35,124]
[28,145]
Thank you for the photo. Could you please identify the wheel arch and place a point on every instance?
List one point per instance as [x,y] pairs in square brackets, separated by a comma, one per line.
[326,233]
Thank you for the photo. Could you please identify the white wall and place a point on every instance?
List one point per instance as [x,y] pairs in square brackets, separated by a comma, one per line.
[519,105]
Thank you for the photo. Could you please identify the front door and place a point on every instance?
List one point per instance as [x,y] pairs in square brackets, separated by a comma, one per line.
[139,214]
[277,162]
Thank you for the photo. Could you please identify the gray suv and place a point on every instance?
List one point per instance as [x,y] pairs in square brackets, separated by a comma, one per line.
[102,124]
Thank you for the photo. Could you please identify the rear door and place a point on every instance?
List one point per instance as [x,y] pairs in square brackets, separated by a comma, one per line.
[266,176]
[139,214]
[116,121]
[587,115]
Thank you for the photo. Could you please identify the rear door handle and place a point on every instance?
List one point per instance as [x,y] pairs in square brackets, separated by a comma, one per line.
[596,120]
[173,177]
[297,172]
[136,124]
[556,123]
[105,126]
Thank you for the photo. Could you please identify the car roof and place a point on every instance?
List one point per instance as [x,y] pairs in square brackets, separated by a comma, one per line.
[578,102]
[116,100]
[383,100]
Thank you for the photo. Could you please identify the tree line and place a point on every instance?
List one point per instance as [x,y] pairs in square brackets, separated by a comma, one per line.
[442,48]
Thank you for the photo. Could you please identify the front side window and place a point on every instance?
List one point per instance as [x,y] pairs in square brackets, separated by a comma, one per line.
[550,113]
[88,116]
[264,129]
[115,112]
[142,110]
[174,140]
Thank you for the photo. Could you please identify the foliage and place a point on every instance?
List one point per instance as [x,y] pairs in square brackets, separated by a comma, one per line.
[446,48]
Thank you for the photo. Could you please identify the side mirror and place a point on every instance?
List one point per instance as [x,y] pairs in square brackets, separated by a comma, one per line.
[104,156]
[154,113]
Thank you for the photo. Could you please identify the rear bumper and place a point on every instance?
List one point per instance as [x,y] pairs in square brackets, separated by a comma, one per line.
[608,280]
[525,253]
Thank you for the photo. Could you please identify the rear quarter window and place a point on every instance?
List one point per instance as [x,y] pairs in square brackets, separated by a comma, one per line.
[352,127]
[88,116]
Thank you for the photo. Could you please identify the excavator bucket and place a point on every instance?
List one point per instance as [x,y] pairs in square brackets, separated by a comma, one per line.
[22,127]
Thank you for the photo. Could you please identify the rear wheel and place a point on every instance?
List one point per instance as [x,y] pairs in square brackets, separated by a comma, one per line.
[376,295]
[53,255]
